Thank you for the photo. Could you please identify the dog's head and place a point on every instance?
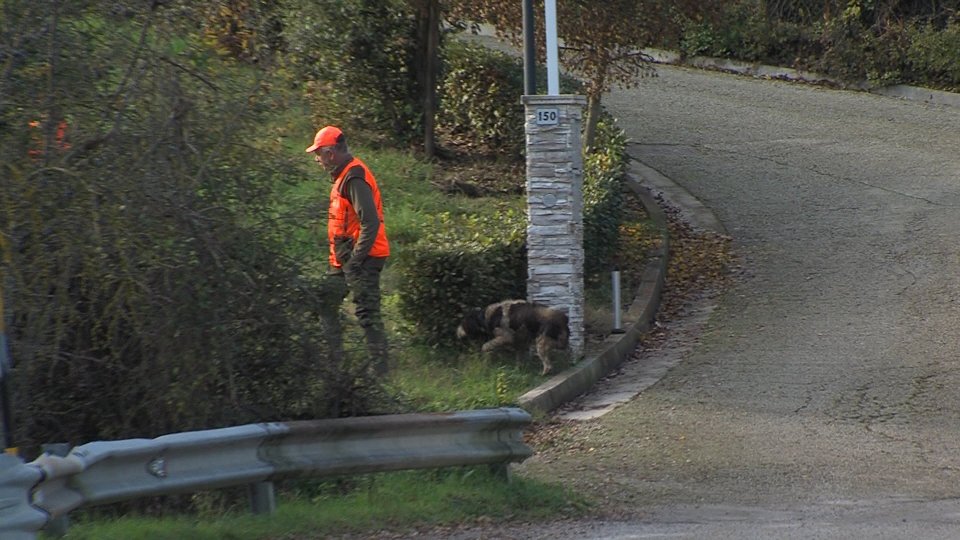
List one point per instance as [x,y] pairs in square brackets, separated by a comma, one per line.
[472,326]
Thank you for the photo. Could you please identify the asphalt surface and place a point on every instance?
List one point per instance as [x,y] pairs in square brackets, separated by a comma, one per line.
[817,398]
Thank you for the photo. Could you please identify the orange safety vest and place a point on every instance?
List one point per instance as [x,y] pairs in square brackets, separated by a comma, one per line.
[342,220]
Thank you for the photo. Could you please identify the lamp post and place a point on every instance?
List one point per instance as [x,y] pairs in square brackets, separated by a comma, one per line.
[553,56]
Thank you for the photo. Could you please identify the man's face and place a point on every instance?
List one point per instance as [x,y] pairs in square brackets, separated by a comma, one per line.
[325,156]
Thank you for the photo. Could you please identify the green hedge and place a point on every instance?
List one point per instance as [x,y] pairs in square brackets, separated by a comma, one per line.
[936,54]
[463,263]
[914,43]
[480,98]
[603,177]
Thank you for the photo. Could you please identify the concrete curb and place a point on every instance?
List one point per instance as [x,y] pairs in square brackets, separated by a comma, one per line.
[694,212]
[578,379]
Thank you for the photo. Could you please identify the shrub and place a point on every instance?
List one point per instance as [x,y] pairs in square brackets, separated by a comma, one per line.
[603,173]
[855,41]
[935,54]
[357,57]
[462,264]
[142,294]
[853,51]
[480,104]
[742,31]
[480,98]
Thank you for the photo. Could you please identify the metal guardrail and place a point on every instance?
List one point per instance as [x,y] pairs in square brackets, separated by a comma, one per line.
[32,494]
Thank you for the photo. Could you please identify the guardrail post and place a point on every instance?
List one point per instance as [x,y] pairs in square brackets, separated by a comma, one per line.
[503,471]
[57,527]
[262,498]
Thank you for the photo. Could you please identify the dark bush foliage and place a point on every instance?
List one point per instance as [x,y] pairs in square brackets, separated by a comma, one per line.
[480,98]
[603,184]
[742,31]
[141,293]
[480,104]
[357,59]
[935,53]
[464,263]
[856,41]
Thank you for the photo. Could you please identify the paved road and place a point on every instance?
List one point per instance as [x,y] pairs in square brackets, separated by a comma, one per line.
[820,399]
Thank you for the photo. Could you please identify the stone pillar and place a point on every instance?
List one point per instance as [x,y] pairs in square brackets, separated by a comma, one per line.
[555,208]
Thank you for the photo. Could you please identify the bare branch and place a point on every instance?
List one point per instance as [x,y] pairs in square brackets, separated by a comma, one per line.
[191,72]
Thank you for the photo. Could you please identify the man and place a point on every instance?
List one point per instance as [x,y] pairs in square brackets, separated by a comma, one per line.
[356,235]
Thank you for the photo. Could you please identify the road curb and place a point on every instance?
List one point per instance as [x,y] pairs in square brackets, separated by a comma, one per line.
[578,379]
[694,212]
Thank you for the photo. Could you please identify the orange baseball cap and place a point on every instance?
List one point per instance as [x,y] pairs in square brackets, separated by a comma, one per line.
[327,136]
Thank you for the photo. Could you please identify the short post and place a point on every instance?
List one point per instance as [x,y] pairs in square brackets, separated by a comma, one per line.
[57,527]
[263,500]
[501,471]
[615,292]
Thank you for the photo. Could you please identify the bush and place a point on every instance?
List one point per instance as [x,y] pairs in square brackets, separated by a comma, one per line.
[935,53]
[603,172]
[480,98]
[853,52]
[854,42]
[742,31]
[480,104]
[462,264]
[357,58]
[142,293]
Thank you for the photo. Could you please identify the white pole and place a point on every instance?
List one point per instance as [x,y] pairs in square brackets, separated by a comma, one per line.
[553,60]
[615,293]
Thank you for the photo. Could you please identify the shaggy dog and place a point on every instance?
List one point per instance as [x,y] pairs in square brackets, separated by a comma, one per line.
[517,323]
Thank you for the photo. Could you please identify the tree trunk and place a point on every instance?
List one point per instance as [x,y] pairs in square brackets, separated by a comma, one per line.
[428,37]
[593,116]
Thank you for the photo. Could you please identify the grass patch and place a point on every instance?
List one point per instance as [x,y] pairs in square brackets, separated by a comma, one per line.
[429,379]
[319,509]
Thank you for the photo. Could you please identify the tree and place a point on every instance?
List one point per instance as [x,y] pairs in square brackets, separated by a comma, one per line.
[601,41]
[359,61]
[428,66]
[381,56]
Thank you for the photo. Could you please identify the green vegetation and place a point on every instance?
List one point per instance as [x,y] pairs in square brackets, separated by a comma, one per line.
[161,230]
[403,500]
[881,43]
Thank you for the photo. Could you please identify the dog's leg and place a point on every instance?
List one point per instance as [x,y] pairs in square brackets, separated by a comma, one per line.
[544,345]
[502,338]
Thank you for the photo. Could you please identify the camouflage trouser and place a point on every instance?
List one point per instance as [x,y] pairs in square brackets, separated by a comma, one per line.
[364,284]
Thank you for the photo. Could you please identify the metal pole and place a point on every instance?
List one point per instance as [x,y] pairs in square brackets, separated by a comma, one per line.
[529,50]
[553,55]
[617,323]
[263,501]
